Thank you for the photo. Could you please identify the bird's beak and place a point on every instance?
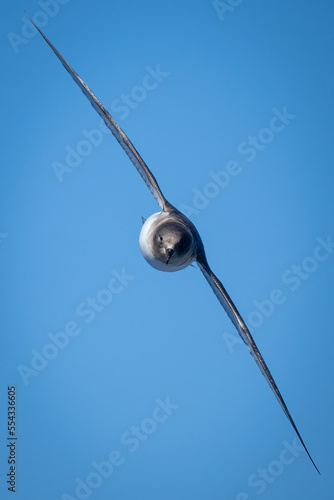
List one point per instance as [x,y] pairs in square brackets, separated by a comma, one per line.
[169,253]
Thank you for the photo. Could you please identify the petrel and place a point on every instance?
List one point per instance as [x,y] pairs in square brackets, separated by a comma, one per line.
[169,241]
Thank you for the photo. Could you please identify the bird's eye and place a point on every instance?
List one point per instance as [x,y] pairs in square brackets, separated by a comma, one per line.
[160,238]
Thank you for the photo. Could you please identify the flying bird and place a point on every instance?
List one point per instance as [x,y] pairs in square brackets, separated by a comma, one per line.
[169,241]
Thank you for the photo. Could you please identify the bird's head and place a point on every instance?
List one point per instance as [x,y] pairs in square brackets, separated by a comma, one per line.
[172,243]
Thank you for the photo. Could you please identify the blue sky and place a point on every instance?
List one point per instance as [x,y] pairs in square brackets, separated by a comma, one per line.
[131,383]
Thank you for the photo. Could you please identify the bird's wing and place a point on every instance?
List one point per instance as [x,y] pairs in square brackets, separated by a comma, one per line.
[116,130]
[246,336]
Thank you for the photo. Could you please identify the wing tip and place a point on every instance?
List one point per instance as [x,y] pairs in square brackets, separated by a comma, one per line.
[316,468]
[29,16]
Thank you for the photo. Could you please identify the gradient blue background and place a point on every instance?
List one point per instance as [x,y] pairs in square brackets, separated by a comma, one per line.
[163,335]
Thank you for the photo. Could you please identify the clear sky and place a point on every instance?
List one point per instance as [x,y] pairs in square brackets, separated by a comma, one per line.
[132,383]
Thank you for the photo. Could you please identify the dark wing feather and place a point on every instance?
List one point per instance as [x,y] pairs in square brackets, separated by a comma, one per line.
[246,336]
[116,130]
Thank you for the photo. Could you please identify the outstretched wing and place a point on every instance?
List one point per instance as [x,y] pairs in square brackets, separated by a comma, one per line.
[116,130]
[246,336]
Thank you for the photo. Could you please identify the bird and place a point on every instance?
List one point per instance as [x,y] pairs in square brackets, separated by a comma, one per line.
[169,241]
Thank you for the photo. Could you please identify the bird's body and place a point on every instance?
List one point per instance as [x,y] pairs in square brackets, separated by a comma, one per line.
[170,242]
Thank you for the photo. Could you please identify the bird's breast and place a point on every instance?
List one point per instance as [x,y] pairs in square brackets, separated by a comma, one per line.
[148,244]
